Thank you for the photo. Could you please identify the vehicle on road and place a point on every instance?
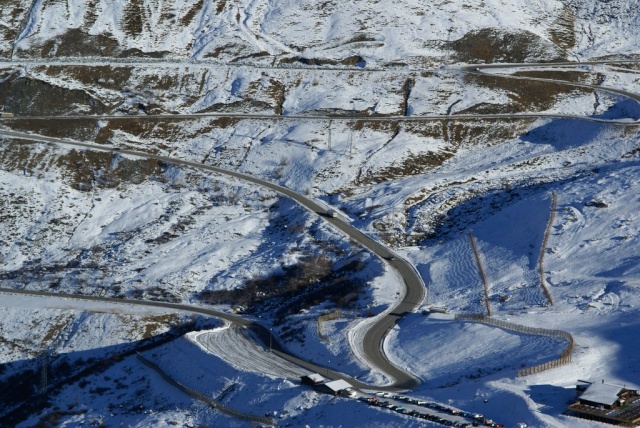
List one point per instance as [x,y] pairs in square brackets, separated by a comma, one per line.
[332,214]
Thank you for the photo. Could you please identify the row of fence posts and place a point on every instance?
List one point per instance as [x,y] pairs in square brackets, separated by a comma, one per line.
[543,249]
[327,317]
[203,398]
[485,281]
[565,357]
[543,282]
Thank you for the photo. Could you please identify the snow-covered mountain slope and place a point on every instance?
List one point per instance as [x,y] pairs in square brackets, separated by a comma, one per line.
[284,30]
[113,225]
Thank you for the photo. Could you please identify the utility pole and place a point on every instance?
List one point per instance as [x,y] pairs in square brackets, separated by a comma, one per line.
[329,140]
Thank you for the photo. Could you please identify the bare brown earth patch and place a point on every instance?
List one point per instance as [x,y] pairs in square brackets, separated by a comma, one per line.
[133,24]
[491,45]
[76,42]
[11,29]
[77,129]
[80,169]
[191,13]
[454,134]
[526,96]
[413,164]
[587,78]
[32,97]
[101,75]
[562,31]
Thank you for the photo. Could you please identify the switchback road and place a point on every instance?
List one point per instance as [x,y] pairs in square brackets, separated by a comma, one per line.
[373,339]
[414,287]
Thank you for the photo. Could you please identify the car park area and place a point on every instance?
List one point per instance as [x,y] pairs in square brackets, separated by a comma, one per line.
[430,411]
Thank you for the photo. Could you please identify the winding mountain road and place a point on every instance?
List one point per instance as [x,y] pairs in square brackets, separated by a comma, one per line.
[479,70]
[414,286]
[325,118]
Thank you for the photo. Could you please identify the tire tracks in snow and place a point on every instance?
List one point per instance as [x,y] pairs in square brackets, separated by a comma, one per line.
[235,346]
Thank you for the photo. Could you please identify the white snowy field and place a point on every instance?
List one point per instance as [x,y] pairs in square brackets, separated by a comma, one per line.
[131,394]
[590,271]
[109,225]
[504,198]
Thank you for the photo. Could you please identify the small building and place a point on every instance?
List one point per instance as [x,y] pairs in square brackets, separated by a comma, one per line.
[606,402]
[334,387]
[601,394]
[312,379]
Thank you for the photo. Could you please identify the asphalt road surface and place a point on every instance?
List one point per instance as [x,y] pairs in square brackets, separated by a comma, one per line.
[349,118]
[373,339]
[478,70]
[414,286]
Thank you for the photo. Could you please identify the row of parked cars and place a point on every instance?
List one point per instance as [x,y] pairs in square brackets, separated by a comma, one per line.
[477,418]
[401,409]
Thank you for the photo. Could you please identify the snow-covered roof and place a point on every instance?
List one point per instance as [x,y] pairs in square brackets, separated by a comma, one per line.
[601,393]
[338,385]
[315,377]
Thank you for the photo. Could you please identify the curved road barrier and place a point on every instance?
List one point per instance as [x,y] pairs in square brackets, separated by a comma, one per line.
[565,356]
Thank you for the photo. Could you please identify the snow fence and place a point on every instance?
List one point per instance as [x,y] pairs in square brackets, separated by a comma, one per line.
[565,357]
